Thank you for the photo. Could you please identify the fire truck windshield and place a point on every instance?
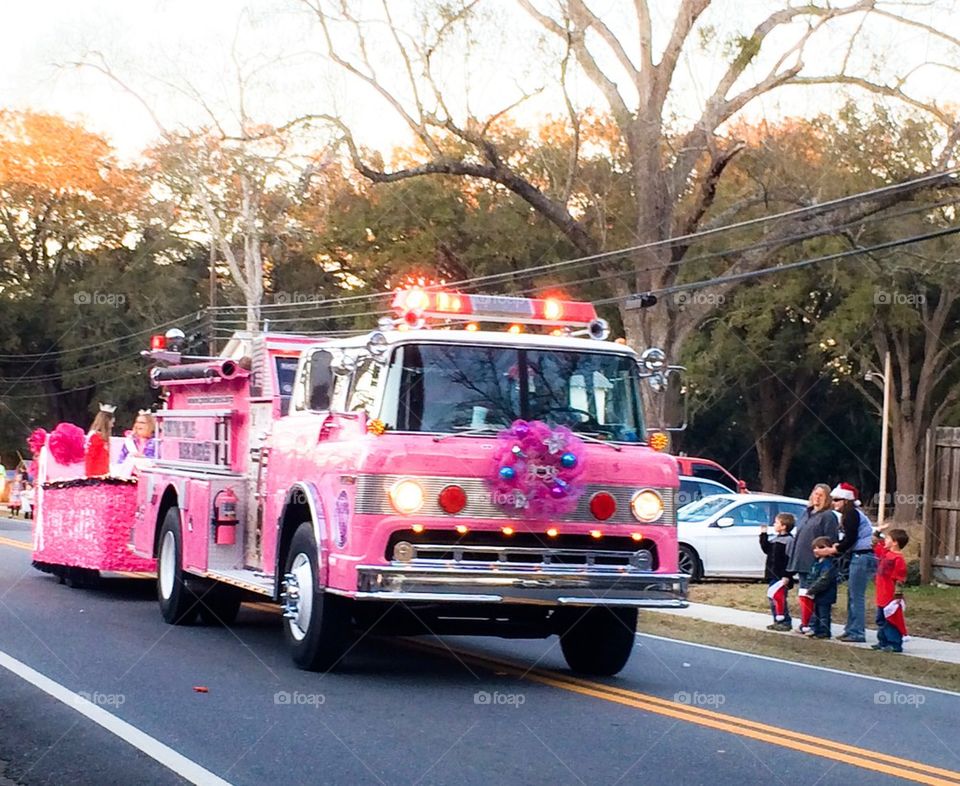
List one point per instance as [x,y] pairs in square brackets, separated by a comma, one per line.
[451,388]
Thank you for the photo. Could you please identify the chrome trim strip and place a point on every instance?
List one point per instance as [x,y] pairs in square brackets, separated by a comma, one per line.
[600,585]
[372,498]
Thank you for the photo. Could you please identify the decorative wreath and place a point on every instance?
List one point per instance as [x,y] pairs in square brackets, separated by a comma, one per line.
[536,469]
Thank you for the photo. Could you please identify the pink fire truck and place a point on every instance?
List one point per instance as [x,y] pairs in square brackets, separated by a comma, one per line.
[418,479]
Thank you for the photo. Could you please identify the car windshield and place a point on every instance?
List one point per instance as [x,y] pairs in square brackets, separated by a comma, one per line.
[702,509]
[451,388]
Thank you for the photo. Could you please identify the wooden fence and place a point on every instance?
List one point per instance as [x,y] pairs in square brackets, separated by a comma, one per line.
[940,557]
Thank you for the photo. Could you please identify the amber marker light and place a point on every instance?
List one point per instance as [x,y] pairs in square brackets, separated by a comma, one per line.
[418,528]
[595,533]
[507,530]
[552,532]
[472,327]
[515,329]
[636,536]
[461,529]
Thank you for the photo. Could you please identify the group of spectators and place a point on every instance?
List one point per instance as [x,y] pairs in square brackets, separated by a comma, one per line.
[807,553]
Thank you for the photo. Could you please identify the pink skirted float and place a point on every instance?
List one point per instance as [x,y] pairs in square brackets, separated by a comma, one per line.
[82,524]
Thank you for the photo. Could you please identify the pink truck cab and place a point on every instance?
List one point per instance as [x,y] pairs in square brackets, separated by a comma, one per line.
[412,480]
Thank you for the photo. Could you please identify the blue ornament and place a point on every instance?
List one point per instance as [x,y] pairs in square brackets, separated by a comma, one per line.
[568,460]
[507,473]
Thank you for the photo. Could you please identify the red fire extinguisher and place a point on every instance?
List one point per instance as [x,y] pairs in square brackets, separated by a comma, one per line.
[225,517]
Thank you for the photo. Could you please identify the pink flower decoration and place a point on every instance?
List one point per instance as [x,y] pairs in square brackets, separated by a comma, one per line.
[36,440]
[66,444]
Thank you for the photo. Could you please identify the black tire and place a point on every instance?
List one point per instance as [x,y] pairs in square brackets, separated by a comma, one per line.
[81,578]
[688,561]
[318,636]
[220,604]
[598,640]
[178,603]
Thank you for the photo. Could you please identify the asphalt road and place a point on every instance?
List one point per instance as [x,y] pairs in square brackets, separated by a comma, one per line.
[425,711]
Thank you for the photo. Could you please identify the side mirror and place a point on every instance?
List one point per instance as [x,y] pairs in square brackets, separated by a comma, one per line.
[378,345]
[725,521]
[343,365]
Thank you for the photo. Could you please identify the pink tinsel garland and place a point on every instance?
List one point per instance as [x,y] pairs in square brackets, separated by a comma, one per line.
[536,468]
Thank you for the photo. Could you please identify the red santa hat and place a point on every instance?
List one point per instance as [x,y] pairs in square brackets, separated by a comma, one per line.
[845,491]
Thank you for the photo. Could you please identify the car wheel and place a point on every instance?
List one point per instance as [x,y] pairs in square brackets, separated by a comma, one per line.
[598,640]
[316,623]
[688,561]
[178,604]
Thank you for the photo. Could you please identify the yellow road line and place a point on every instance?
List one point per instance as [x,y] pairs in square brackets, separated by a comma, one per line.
[261,606]
[763,732]
[17,544]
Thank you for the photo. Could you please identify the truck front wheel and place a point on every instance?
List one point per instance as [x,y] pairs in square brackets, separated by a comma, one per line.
[598,640]
[317,624]
[178,604]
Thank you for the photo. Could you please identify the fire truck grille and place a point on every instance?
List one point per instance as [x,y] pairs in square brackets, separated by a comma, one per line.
[527,549]
[372,497]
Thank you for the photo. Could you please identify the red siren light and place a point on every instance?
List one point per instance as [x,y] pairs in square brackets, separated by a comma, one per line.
[424,300]
[158,342]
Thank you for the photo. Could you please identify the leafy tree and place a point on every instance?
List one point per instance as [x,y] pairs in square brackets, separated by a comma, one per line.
[669,169]
[87,268]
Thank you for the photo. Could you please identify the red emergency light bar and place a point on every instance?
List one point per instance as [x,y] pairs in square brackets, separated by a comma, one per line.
[415,303]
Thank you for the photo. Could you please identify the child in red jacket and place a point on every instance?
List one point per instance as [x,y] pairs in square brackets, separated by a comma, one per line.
[891,576]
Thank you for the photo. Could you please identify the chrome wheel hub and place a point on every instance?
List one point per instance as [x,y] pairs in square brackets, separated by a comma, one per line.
[297,596]
[168,564]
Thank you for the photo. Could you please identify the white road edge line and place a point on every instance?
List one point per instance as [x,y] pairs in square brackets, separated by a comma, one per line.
[786,662]
[169,758]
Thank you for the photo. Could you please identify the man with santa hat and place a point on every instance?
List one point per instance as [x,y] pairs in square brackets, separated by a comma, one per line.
[858,543]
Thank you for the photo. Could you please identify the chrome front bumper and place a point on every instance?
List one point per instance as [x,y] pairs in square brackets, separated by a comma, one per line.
[492,583]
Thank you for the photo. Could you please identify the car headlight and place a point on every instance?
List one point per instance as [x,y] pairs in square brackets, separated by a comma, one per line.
[647,505]
[406,496]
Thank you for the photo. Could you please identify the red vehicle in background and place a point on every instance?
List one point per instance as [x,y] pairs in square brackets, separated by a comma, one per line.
[696,467]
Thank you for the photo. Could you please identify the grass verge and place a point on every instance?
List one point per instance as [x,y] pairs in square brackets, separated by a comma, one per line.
[933,611]
[800,649]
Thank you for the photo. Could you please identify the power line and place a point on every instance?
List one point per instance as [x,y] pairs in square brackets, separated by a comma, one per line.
[52,354]
[735,277]
[810,209]
[89,386]
[771,243]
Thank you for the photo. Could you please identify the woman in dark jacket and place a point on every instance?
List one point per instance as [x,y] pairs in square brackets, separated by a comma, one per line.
[818,520]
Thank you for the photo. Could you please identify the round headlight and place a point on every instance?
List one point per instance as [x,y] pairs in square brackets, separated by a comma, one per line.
[646,505]
[406,496]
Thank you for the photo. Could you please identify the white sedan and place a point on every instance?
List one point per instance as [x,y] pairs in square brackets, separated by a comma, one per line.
[720,535]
